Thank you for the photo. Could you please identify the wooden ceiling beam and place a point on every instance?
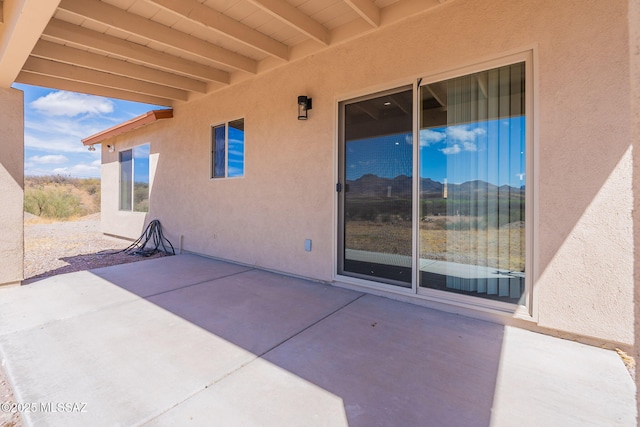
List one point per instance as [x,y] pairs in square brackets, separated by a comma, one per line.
[100,78]
[367,10]
[439,93]
[201,14]
[74,34]
[113,16]
[60,53]
[290,15]
[28,78]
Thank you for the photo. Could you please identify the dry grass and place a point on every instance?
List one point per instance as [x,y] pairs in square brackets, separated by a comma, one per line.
[390,238]
[629,362]
[57,247]
[502,248]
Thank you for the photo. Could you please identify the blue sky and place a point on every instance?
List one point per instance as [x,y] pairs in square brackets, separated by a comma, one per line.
[492,151]
[56,122]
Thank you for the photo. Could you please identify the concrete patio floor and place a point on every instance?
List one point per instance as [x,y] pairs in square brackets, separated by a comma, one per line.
[187,340]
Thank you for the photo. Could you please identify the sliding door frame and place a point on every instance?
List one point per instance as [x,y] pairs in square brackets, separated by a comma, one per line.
[527,310]
[341,181]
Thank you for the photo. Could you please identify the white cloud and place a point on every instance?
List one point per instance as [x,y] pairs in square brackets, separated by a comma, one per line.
[454,149]
[462,139]
[469,146]
[428,137]
[54,144]
[69,104]
[62,126]
[462,133]
[79,170]
[51,159]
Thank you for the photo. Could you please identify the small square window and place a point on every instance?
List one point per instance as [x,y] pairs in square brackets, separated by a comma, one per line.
[227,150]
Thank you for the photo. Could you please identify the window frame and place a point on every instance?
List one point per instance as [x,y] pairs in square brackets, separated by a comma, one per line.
[212,150]
[527,310]
[133,182]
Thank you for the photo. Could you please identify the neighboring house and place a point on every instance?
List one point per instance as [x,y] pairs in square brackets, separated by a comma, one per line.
[473,156]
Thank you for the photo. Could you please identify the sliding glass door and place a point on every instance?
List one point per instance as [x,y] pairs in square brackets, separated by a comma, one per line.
[446,214]
[472,184]
[376,188]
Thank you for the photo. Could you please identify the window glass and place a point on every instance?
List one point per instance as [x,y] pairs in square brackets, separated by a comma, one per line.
[236,148]
[219,151]
[126,179]
[141,178]
[134,179]
[227,150]
[472,184]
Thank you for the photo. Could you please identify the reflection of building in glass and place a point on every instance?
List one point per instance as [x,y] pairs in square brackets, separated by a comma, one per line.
[444,189]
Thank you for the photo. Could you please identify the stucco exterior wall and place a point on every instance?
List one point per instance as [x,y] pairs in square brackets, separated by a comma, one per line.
[634,62]
[583,252]
[11,186]
[128,225]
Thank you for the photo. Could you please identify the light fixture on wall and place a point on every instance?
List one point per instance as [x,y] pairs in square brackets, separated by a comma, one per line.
[92,148]
[111,148]
[304,105]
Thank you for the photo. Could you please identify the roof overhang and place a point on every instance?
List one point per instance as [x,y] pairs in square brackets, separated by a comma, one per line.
[165,52]
[21,25]
[128,126]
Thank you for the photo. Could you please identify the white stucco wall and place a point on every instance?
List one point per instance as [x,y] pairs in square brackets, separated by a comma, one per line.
[11,186]
[583,254]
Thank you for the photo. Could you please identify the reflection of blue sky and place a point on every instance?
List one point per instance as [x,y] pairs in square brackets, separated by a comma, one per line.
[492,151]
[385,156]
[236,152]
[141,163]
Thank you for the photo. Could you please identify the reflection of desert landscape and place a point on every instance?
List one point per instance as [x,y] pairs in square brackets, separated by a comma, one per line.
[498,248]
[477,224]
[449,240]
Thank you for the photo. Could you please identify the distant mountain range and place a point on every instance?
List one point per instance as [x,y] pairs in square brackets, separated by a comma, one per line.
[370,185]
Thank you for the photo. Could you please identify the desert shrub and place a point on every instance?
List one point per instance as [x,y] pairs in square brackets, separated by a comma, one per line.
[57,196]
[52,203]
[141,197]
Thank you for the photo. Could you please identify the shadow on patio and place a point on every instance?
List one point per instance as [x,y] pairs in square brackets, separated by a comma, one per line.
[188,340]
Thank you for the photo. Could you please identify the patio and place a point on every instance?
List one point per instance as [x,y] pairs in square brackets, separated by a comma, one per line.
[188,340]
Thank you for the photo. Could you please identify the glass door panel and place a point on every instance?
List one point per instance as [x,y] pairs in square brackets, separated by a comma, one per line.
[472,184]
[377,190]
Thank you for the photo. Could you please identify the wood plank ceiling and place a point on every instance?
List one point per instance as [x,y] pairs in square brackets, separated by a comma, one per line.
[167,51]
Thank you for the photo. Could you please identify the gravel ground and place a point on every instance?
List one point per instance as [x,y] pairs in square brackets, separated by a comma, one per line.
[64,247]
[57,248]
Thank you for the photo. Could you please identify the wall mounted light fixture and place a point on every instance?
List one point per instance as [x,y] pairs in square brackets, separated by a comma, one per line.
[304,105]
[111,148]
[92,148]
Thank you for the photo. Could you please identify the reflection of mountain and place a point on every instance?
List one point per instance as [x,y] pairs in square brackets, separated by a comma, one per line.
[370,185]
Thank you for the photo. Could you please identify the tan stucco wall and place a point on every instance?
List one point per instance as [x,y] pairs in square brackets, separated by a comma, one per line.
[11,186]
[634,49]
[113,221]
[583,268]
